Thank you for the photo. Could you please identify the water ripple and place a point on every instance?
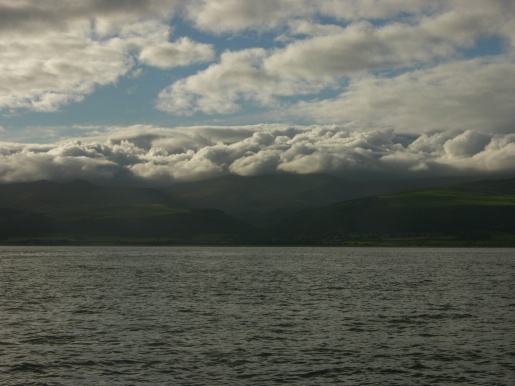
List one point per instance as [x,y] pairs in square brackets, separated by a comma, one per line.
[217,316]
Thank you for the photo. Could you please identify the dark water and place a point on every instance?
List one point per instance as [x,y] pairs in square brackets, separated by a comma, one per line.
[259,316]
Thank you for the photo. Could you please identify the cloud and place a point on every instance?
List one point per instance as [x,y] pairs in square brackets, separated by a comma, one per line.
[469,94]
[180,53]
[397,76]
[34,163]
[230,16]
[57,52]
[54,53]
[35,17]
[44,72]
[325,57]
[376,9]
[454,21]
[333,51]
[218,89]
[160,156]
[467,144]
[221,16]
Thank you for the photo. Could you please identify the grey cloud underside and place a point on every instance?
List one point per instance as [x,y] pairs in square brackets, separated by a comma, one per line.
[475,94]
[409,73]
[56,52]
[160,156]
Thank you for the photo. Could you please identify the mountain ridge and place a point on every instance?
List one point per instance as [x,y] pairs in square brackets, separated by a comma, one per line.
[293,210]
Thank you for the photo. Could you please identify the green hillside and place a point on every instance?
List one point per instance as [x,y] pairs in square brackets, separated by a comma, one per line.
[457,215]
[47,196]
[264,200]
[446,198]
[474,213]
[146,224]
[80,212]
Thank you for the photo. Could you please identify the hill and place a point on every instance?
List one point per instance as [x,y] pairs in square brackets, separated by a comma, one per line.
[278,209]
[478,213]
[263,200]
[267,199]
[47,196]
[80,212]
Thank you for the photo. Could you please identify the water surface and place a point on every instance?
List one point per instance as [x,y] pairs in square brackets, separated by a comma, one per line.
[214,316]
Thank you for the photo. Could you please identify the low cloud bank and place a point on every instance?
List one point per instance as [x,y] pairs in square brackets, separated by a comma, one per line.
[160,156]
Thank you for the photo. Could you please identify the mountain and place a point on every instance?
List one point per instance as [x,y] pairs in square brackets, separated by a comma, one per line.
[470,211]
[82,212]
[266,199]
[46,196]
[235,194]
[277,209]
[495,187]
[118,225]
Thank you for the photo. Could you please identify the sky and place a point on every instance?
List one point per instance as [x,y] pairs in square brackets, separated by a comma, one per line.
[163,91]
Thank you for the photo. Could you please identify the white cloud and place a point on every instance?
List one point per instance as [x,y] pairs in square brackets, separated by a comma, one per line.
[108,17]
[230,16]
[361,46]
[218,89]
[323,57]
[467,144]
[356,48]
[180,53]
[469,94]
[396,66]
[56,52]
[376,9]
[221,16]
[45,72]
[144,154]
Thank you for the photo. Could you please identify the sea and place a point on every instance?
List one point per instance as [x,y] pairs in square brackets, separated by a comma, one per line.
[256,316]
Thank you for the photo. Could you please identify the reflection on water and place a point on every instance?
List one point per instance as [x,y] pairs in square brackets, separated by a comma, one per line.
[208,316]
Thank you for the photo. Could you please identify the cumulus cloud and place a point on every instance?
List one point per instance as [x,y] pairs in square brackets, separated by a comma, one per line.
[56,52]
[222,16]
[229,16]
[469,94]
[180,53]
[321,57]
[398,76]
[467,144]
[219,88]
[160,156]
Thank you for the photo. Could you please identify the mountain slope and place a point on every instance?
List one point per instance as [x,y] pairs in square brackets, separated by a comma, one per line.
[82,211]
[266,199]
[45,196]
[236,193]
[462,211]
[500,187]
[282,205]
